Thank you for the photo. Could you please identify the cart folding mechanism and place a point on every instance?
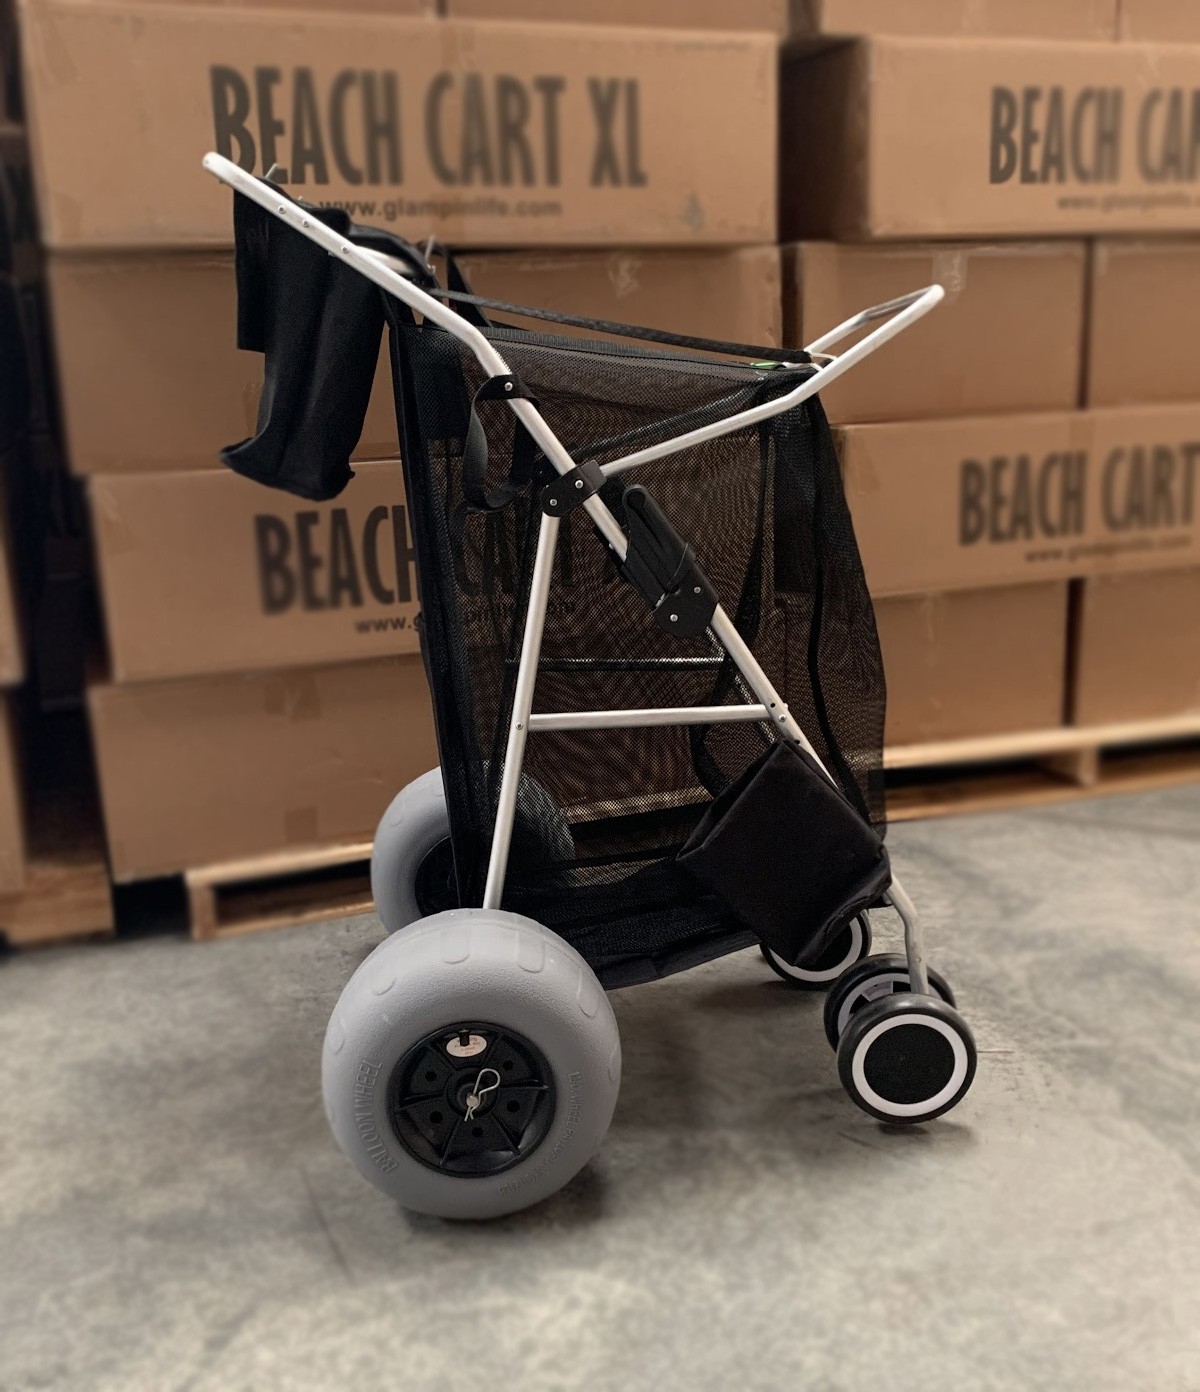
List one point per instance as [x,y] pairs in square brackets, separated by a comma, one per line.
[654,751]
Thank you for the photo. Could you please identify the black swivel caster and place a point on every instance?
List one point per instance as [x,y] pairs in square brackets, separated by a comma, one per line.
[907,1058]
[849,946]
[872,979]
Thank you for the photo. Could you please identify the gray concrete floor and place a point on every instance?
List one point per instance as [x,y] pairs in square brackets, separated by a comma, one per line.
[173,1213]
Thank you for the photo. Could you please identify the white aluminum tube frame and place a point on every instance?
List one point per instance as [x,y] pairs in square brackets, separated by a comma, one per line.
[893,317]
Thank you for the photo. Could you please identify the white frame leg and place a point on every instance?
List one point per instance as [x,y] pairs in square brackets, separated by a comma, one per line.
[518,727]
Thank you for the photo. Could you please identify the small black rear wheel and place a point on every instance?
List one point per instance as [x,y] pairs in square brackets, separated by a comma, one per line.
[849,946]
[907,1058]
[870,980]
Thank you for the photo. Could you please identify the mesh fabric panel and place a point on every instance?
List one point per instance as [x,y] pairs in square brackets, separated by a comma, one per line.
[602,812]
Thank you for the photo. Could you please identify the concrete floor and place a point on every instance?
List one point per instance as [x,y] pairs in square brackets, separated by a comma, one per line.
[173,1213]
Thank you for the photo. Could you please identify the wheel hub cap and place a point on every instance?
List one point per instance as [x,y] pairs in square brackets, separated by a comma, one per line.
[471,1100]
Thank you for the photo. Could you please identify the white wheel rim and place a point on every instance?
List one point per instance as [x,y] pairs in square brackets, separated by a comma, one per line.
[832,973]
[872,989]
[909,1109]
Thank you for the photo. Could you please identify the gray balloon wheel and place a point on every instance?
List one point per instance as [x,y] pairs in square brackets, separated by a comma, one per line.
[411,863]
[415,824]
[471,1006]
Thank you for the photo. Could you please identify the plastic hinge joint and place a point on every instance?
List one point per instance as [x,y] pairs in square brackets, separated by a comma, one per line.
[684,608]
[568,491]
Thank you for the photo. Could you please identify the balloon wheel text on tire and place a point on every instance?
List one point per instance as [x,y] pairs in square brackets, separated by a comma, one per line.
[907,1058]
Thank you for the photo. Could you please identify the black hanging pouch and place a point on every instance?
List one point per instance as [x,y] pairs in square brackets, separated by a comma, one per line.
[318,323]
[788,854]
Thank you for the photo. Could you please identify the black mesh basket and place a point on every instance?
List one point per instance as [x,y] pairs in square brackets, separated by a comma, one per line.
[763,509]
[604,814]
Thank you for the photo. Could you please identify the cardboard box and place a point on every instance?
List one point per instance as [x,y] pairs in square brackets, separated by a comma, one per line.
[1007,337]
[12,645]
[209,572]
[974,662]
[426,8]
[486,134]
[1136,647]
[1144,308]
[1159,21]
[150,375]
[949,138]
[734,294]
[141,392]
[769,15]
[197,772]
[1043,19]
[12,816]
[998,500]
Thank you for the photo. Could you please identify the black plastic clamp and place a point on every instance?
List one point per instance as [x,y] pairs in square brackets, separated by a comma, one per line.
[568,491]
[665,570]
[687,609]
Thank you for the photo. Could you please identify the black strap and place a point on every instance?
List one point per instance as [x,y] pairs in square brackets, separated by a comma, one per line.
[458,284]
[759,352]
[507,387]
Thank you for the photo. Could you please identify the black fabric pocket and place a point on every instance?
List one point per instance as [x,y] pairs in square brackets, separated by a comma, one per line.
[319,324]
[788,854]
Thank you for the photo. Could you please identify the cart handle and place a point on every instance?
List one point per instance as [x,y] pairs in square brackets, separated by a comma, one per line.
[899,315]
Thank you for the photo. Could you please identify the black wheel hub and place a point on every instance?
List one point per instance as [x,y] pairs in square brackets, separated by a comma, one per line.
[471,1100]
[909,1064]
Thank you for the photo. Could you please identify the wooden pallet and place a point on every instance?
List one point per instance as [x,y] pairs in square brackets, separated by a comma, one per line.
[275,891]
[67,894]
[931,780]
[1040,767]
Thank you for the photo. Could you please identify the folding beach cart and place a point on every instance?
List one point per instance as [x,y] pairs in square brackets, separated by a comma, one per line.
[654,750]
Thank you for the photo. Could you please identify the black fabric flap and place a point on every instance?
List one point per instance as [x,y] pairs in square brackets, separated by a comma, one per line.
[788,854]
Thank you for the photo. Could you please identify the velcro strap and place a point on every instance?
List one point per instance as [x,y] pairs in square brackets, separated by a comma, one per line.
[506,387]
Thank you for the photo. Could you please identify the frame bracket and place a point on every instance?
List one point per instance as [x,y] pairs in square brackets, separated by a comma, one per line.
[568,491]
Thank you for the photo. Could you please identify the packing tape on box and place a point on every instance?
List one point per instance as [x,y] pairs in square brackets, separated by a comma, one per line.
[950,271]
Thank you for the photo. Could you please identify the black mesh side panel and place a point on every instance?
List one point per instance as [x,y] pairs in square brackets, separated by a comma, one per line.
[602,813]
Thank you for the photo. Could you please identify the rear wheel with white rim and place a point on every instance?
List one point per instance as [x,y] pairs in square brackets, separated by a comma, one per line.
[870,980]
[849,946]
[907,1058]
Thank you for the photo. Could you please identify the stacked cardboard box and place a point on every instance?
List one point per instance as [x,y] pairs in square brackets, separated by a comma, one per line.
[264,689]
[1001,454]
[1136,646]
[17,273]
